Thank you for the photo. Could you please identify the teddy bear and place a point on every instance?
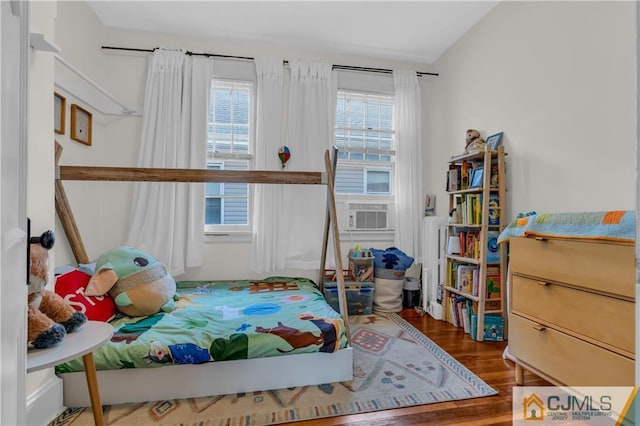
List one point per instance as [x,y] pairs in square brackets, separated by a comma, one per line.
[474,142]
[138,284]
[49,317]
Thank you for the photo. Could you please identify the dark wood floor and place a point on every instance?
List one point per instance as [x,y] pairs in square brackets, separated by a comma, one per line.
[483,358]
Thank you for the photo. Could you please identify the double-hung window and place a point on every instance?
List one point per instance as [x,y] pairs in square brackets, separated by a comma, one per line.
[229,147]
[364,134]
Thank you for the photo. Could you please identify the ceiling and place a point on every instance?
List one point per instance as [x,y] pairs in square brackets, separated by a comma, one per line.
[414,31]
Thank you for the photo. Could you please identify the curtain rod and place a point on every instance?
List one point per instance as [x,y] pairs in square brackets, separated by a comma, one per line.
[249,58]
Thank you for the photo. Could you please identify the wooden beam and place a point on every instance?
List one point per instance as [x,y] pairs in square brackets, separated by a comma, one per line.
[342,292]
[65,214]
[327,220]
[189,175]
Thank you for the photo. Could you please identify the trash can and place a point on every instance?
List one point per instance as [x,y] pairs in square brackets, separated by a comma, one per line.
[411,293]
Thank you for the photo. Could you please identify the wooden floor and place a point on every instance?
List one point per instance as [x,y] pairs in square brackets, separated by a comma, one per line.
[482,358]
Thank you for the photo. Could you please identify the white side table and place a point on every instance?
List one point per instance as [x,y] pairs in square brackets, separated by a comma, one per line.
[81,342]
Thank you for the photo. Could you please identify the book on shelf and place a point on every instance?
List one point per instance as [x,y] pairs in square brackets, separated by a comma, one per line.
[453,178]
[474,326]
[493,328]
[493,285]
[495,175]
[453,312]
[477,209]
[492,305]
[494,209]
[466,322]
[472,245]
[493,250]
[465,172]
[460,309]
[452,272]
[465,277]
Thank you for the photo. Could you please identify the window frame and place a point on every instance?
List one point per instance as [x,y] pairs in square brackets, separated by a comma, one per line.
[368,165]
[222,157]
[344,199]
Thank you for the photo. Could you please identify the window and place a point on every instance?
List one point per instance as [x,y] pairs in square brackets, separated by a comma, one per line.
[229,140]
[365,138]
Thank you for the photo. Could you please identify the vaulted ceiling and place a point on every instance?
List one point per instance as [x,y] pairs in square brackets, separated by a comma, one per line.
[414,31]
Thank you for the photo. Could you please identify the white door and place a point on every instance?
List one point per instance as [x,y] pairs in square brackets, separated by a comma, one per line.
[13,241]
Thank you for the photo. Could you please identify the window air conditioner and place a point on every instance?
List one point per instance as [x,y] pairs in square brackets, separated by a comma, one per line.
[367,217]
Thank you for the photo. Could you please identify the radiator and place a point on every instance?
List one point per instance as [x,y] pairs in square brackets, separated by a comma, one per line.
[434,263]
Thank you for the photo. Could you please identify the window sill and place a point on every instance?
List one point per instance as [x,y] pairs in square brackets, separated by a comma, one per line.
[345,236]
[359,236]
[227,237]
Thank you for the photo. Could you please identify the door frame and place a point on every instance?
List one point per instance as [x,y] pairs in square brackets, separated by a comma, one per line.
[14,55]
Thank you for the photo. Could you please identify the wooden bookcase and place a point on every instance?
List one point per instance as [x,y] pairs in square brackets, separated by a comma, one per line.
[475,275]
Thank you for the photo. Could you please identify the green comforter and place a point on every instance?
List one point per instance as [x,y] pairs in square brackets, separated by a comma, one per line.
[224,320]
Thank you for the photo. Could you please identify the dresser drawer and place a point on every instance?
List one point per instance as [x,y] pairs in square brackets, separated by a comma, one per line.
[602,266]
[566,359]
[606,319]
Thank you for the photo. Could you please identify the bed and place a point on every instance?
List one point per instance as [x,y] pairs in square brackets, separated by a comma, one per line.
[310,342]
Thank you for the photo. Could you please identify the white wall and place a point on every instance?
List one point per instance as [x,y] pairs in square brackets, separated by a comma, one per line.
[559,79]
[101,209]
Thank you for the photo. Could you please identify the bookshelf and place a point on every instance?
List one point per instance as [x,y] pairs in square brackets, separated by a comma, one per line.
[474,291]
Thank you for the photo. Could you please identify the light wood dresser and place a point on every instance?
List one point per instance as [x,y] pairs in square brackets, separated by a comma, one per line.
[572,310]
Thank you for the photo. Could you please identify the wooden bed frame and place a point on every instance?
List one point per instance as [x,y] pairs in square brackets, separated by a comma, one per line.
[214,378]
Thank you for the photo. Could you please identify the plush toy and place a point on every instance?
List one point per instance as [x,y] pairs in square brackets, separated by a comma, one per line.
[474,142]
[49,317]
[138,283]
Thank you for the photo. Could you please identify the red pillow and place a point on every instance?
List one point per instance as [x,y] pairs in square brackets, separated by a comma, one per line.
[71,286]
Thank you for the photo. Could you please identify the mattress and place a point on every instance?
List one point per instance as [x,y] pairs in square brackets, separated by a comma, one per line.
[224,320]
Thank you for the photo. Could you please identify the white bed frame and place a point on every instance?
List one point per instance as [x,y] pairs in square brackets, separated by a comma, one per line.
[214,378]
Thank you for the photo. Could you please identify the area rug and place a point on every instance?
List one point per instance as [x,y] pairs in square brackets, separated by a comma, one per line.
[394,366]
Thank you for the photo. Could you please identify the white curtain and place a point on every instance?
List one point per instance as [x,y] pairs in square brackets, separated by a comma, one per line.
[409,205]
[168,218]
[310,131]
[269,137]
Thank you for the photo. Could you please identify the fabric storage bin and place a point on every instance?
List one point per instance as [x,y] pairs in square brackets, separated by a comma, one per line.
[359,296]
[389,285]
[389,274]
[388,295]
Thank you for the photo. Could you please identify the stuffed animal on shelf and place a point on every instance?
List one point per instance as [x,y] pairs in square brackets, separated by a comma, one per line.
[137,283]
[49,317]
[474,142]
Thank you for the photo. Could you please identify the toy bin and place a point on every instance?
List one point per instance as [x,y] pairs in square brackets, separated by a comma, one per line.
[359,296]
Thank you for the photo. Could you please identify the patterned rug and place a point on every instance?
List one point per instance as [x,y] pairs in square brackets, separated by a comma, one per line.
[394,366]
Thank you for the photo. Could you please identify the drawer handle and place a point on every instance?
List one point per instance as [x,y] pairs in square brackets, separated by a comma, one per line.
[540,238]
[539,327]
[543,283]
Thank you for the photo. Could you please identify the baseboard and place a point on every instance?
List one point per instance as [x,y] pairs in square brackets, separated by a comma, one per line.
[45,404]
